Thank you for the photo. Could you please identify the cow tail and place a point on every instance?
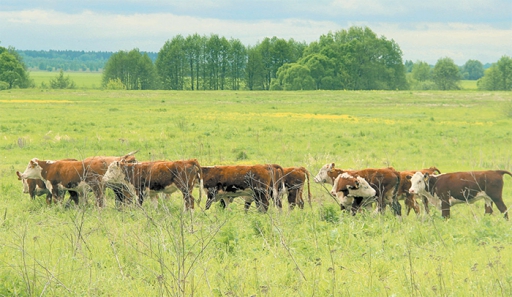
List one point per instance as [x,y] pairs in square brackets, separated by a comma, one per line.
[502,172]
[201,183]
[309,189]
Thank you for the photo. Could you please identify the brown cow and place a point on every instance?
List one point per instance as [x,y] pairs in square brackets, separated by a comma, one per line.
[385,181]
[223,183]
[294,180]
[72,175]
[158,176]
[405,185]
[447,189]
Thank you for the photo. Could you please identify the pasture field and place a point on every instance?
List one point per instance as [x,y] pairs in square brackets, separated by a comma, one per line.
[318,251]
[83,80]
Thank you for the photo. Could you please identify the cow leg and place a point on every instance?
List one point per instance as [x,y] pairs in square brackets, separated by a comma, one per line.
[292,199]
[425,204]
[410,203]
[397,208]
[48,198]
[445,208]
[189,200]
[488,207]
[501,206]
[298,198]
[73,196]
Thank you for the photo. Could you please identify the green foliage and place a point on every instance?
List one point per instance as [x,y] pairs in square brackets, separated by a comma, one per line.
[472,70]
[135,70]
[115,84]
[12,70]
[61,82]
[498,76]
[446,74]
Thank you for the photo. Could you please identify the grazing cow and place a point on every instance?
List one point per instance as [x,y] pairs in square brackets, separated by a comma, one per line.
[224,183]
[158,176]
[294,180]
[72,175]
[385,181]
[405,185]
[352,192]
[447,189]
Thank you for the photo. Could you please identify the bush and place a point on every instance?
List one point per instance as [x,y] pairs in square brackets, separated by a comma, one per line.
[61,82]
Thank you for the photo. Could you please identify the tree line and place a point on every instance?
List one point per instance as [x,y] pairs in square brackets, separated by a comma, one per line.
[352,59]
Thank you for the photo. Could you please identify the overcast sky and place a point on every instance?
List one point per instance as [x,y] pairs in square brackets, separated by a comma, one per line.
[425,30]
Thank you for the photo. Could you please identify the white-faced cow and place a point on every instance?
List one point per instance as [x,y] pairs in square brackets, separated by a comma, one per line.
[157,177]
[405,185]
[294,180]
[224,183]
[72,175]
[385,181]
[352,192]
[447,189]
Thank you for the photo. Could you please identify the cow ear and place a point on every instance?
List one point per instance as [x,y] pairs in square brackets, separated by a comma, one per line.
[408,177]
[357,184]
[18,174]
[426,176]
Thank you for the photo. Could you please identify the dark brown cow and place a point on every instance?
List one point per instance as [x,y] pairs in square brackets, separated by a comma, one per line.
[159,177]
[227,182]
[72,175]
[447,189]
[405,185]
[385,181]
[294,180]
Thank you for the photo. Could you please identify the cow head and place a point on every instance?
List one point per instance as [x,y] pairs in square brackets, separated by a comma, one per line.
[114,173]
[33,170]
[323,174]
[24,182]
[418,182]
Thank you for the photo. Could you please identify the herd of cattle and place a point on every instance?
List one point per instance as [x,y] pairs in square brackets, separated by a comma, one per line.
[353,190]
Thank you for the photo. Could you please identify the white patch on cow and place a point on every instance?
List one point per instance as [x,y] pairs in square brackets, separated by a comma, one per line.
[479,196]
[364,190]
[323,176]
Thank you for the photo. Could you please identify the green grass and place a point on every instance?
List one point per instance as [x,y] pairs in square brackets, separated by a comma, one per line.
[468,85]
[83,80]
[320,251]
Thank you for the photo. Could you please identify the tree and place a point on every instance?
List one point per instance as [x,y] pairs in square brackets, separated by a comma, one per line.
[171,64]
[135,70]
[12,70]
[61,82]
[498,76]
[472,70]
[421,71]
[255,70]
[446,74]
[293,76]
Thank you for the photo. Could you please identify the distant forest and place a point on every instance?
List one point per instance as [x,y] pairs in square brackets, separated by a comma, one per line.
[68,60]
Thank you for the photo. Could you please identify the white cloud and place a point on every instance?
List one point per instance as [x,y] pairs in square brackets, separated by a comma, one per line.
[88,30]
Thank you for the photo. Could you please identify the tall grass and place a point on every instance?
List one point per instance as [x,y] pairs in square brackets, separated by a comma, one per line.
[51,250]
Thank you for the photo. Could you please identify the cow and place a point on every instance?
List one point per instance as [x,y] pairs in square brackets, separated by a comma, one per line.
[448,189]
[352,192]
[36,187]
[157,177]
[294,179]
[385,181]
[403,190]
[224,183]
[73,175]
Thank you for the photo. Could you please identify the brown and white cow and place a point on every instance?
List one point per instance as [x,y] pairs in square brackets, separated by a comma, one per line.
[405,185]
[352,192]
[447,189]
[73,175]
[254,182]
[385,181]
[157,177]
[294,179]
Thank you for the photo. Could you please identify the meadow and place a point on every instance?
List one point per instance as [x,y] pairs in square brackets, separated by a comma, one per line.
[318,251]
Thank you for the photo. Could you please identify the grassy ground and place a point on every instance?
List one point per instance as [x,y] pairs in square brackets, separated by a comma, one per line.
[83,80]
[318,251]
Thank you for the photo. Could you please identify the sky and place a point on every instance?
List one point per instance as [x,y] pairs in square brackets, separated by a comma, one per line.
[425,30]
